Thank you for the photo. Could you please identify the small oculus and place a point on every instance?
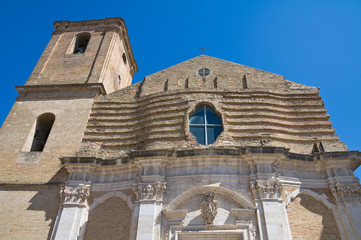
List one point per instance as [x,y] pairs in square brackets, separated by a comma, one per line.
[203,72]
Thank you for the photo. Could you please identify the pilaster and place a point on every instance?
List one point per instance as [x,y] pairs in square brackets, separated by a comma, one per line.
[149,199]
[347,195]
[267,192]
[73,214]
[270,209]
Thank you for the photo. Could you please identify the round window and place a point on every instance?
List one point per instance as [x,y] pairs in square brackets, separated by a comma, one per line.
[204,72]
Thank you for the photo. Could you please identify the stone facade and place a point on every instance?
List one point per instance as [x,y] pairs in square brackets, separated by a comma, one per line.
[120,160]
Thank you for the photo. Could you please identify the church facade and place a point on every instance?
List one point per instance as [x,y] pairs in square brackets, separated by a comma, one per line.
[205,149]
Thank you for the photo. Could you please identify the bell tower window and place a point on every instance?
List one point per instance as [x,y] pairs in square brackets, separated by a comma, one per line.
[124,59]
[205,125]
[81,43]
[44,124]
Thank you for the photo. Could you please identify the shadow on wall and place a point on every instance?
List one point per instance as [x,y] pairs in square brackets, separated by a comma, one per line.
[47,198]
[28,211]
[310,219]
[109,220]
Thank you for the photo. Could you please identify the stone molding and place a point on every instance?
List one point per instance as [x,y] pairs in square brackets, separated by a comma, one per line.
[322,198]
[220,191]
[149,191]
[211,153]
[241,212]
[213,234]
[176,217]
[269,189]
[346,192]
[245,217]
[112,194]
[75,195]
[152,167]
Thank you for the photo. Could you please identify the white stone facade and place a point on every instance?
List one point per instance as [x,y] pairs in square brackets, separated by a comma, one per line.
[248,194]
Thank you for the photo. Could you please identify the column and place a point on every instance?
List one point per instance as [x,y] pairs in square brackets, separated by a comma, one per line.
[348,203]
[73,213]
[270,209]
[149,200]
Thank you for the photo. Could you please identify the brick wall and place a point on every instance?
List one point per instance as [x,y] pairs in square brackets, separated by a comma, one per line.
[109,220]
[309,219]
[28,212]
[70,119]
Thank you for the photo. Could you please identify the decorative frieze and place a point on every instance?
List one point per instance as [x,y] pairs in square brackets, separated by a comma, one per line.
[149,191]
[209,208]
[266,189]
[346,192]
[75,195]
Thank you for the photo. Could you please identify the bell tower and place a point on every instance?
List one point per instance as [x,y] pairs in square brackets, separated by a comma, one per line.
[87,52]
[82,60]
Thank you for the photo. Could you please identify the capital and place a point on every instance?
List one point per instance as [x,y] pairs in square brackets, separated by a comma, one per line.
[149,191]
[75,195]
[266,189]
[346,192]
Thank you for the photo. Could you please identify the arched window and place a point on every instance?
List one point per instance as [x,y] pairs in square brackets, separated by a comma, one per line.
[124,59]
[81,42]
[44,124]
[205,125]
[166,85]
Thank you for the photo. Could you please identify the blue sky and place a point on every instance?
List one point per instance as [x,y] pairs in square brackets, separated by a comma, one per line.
[317,43]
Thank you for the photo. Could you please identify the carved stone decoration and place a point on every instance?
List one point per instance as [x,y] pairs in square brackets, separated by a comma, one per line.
[264,142]
[253,231]
[149,191]
[266,189]
[346,192]
[75,195]
[209,208]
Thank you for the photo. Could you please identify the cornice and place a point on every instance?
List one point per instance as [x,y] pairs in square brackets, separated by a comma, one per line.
[228,152]
[96,22]
[31,92]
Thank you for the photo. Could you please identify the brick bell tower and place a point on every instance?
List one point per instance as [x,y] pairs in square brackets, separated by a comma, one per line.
[82,60]
[87,52]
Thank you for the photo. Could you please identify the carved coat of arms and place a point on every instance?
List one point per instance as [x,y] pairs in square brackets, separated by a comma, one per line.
[209,208]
